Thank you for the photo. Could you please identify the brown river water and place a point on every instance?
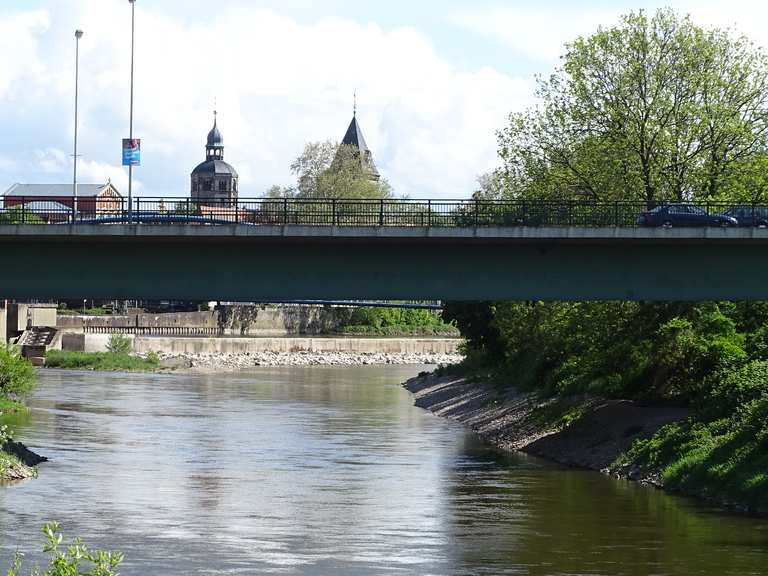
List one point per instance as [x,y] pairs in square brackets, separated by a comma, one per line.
[332,471]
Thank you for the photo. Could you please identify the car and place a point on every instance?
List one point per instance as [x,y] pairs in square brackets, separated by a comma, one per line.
[750,215]
[670,215]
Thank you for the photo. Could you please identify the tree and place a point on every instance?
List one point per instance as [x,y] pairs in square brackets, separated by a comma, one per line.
[329,170]
[652,109]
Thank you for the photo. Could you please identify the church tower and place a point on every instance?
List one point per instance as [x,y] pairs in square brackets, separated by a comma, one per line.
[354,138]
[214,180]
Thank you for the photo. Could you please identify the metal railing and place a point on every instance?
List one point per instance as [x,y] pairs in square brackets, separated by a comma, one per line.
[337,212]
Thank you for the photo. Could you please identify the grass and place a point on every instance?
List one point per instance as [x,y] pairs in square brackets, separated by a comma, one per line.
[724,460]
[101,361]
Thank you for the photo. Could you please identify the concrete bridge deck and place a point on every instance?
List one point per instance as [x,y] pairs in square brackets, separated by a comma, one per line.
[245,263]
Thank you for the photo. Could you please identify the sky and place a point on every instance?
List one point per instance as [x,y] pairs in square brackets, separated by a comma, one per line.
[435,80]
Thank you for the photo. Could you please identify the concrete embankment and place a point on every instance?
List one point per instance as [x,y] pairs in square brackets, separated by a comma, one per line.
[584,432]
[196,345]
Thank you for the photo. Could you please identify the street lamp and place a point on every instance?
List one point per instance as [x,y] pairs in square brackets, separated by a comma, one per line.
[130,135]
[78,35]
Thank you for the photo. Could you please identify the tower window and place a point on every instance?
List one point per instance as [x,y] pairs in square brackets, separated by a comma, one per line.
[223,186]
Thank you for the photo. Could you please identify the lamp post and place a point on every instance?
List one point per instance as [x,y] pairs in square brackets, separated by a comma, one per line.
[78,35]
[130,132]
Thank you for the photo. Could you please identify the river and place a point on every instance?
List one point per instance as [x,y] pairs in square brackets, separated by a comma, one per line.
[332,471]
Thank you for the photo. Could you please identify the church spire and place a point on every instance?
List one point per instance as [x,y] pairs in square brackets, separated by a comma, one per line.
[354,137]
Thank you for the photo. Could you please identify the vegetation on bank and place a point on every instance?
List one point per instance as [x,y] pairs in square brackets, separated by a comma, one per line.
[117,358]
[75,559]
[711,357]
[17,380]
[397,322]
[101,361]
[653,109]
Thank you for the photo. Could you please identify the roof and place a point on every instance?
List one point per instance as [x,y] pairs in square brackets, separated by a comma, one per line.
[47,206]
[215,167]
[354,136]
[54,190]
[215,139]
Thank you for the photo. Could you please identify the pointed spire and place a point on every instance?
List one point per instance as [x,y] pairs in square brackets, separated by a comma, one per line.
[354,107]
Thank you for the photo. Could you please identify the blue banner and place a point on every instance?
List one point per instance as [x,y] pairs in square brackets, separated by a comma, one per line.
[131,152]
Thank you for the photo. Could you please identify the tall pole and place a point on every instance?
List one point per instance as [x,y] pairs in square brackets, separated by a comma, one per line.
[78,35]
[130,132]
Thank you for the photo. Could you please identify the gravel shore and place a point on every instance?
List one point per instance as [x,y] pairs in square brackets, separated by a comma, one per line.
[227,362]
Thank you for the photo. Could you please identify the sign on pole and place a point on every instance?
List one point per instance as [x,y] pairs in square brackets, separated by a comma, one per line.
[131,152]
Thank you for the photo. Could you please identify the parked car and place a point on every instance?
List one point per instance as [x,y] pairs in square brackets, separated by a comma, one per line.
[750,216]
[669,215]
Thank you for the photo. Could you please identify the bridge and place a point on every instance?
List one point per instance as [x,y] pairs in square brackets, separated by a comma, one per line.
[267,262]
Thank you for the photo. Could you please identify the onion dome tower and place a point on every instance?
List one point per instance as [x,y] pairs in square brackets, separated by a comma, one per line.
[214,180]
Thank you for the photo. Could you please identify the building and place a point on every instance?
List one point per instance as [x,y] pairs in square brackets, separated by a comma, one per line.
[214,181]
[354,138]
[56,201]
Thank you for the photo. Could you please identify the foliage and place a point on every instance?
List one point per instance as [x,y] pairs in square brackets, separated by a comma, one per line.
[652,109]
[18,216]
[396,322]
[17,376]
[329,170]
[119,344]
[73,560]
[101,361]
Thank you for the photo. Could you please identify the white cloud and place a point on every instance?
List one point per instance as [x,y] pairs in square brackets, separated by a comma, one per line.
[540,32]
[278,83]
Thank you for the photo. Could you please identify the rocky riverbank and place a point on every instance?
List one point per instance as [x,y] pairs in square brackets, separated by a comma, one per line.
[228,362]
[580,431]
[17,462]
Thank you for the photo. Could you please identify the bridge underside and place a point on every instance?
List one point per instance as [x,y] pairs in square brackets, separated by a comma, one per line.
[151,263]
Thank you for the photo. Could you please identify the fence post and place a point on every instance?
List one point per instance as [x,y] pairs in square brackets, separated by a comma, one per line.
[285,211]
[333,202]
[616,213]
[381,213]
[429,210]
[477,213]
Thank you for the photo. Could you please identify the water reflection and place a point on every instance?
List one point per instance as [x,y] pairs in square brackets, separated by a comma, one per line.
[332,471]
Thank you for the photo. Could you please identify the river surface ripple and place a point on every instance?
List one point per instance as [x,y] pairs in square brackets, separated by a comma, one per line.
[332,471]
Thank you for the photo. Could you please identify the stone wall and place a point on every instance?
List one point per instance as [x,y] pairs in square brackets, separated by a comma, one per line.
[228,321]
[186,346]
[257,345]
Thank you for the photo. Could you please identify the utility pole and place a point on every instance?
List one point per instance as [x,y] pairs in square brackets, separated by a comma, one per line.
[130,132]
[78,35]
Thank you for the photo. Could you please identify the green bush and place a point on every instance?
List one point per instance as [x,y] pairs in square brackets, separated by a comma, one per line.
[396,322]
[17,376]
[101,361]
[119,344]
[73,560]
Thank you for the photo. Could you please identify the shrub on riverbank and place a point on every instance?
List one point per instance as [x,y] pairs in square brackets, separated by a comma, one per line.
[17,377]
[101,361]
[397,322]
[75,559]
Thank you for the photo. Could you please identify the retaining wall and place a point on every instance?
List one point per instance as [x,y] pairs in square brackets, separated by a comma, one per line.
[144,344]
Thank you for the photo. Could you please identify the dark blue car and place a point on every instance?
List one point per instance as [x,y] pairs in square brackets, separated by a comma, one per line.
[671,215]
[750,216]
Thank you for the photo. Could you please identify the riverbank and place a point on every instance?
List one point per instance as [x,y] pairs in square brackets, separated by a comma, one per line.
[579,431]
[230,362]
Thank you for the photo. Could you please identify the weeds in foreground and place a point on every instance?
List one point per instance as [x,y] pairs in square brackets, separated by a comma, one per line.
[72,560]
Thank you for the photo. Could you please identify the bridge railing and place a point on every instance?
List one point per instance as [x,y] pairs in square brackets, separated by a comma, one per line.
[334,212]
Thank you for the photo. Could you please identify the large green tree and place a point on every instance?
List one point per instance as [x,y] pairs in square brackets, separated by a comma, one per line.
[654,108]
[329,170]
